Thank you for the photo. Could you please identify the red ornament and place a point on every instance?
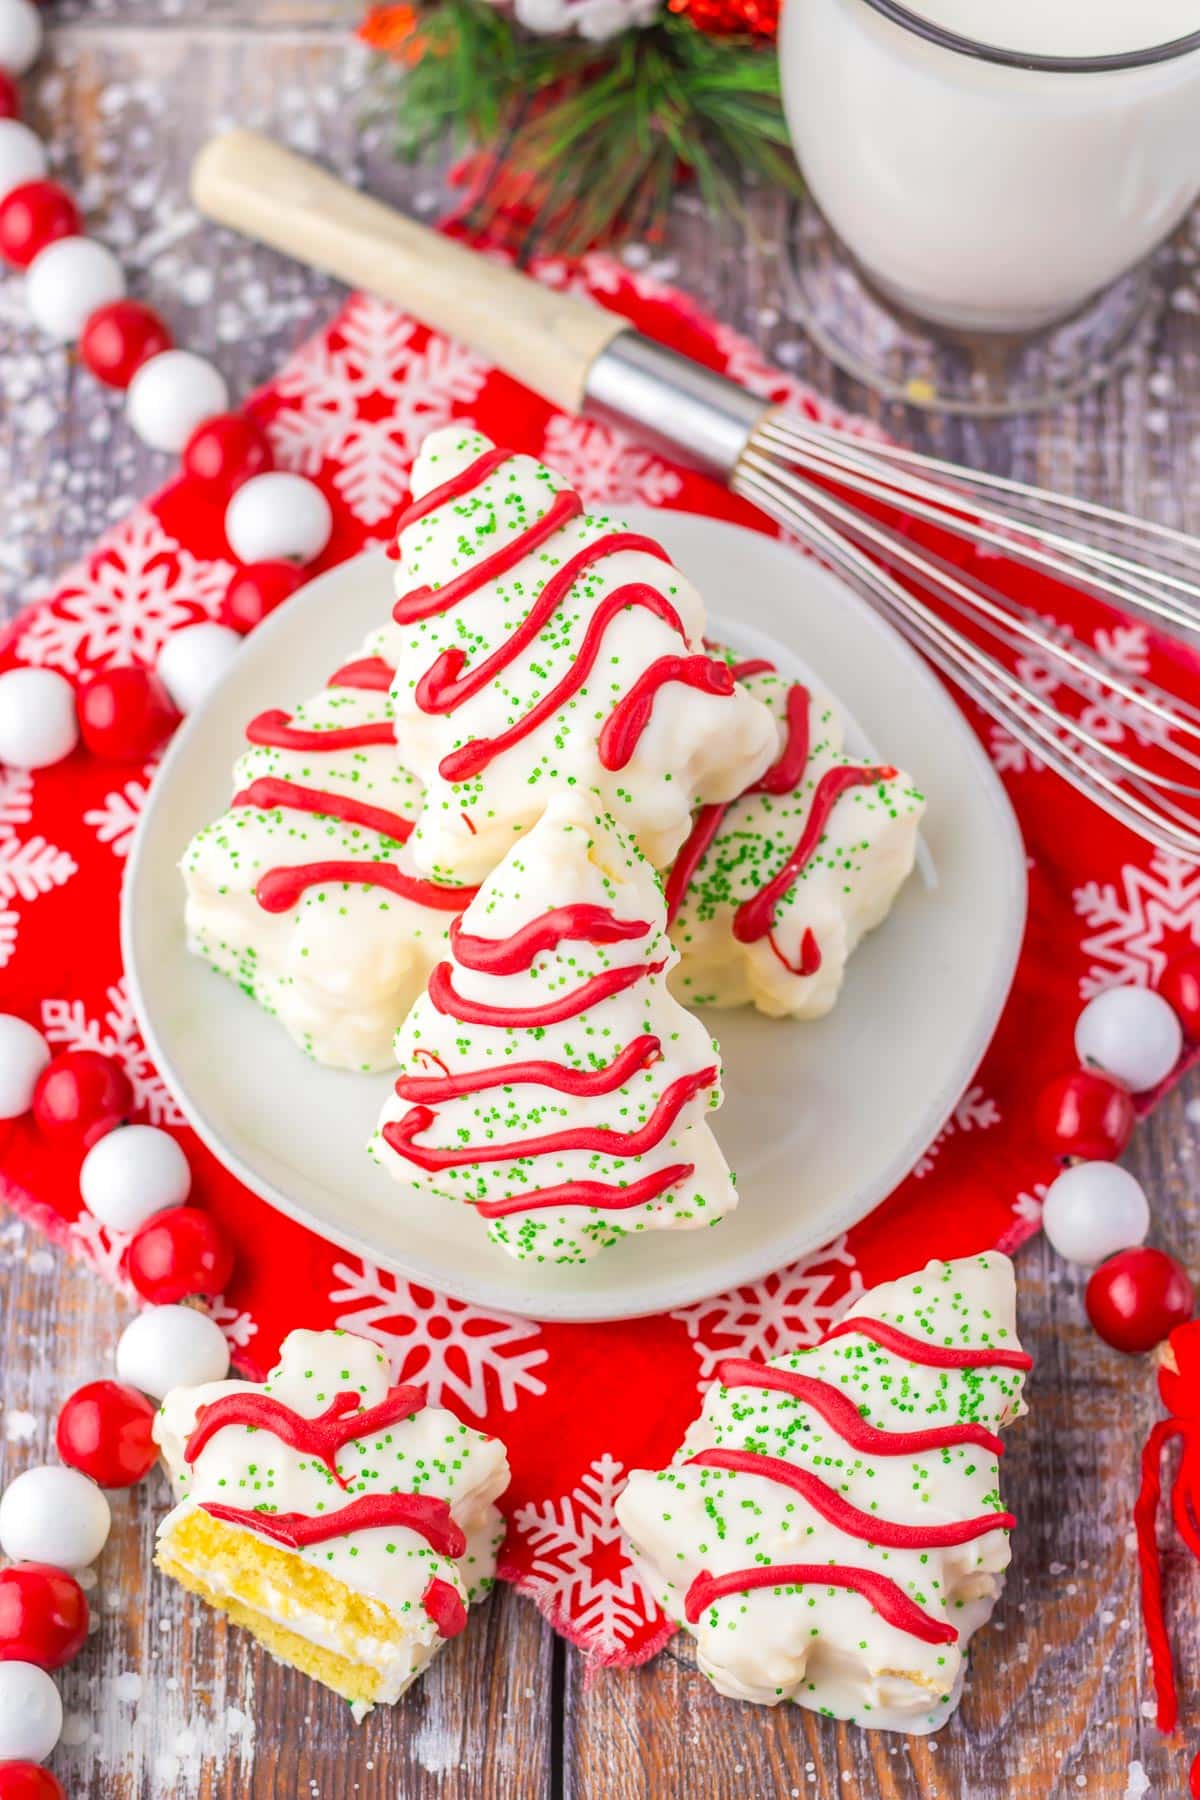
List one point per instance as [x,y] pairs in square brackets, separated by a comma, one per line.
[1180,988]
[1084,1114]
[227,450]
[119,338]
[179,1252]
[43,1615]
[1179,1386]
[33,215]
[257,590]
[81,1095]
[104,1430]
[10,97]
[730,18]
[125,714]
[1137,1297]
[29,1781]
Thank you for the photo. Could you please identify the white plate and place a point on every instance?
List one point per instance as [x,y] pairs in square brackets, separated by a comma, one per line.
[820,1120]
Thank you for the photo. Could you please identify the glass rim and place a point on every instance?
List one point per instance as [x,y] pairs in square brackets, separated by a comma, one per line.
[945,39]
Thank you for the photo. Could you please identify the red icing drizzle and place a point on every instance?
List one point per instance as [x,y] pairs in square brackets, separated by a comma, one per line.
[268,793]
[509,956]
[629,718]
[434,1089]
[430,1518]
[444,1606]
[275,729]
[280,889]
[400,1134]
[367,672]
[920,1350]
[343,1421]
[607,1195]
[891,1534]
[884,1595]
[447,999]
[840,1412]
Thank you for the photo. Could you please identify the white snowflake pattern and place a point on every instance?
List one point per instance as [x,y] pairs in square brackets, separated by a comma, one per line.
[114,821]
[114,1033]
[29,867]
[606,467]
[120,605]
[794,1306]
[365,397]
[976,1111]
[103,1248]
[1137,923]
[239,1327]
[581,1571]
[1126,648]
[455,1351]
[1029,1202]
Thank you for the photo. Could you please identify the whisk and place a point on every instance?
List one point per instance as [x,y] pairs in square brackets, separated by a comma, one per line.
[918,537]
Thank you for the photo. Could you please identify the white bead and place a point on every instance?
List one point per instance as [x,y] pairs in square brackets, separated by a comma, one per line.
[22,156]
[278,515]
[24,1053]
[20,36]
[67,281]
[193,660]
[133,1173]
[54,1516]
[171,394]
[1130,1034]
[171,1346]
[31,1713]
[38,724]
[1093,1210]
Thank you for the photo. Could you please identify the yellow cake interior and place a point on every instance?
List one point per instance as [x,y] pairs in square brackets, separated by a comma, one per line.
[302,1615]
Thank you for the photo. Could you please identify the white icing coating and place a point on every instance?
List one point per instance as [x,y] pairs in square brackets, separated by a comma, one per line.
[827,1647]
[696,746]
[846,888]
[431,1453]
[341,967]
[574,856]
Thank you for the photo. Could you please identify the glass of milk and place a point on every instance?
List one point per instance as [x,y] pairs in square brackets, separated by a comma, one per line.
[988,180]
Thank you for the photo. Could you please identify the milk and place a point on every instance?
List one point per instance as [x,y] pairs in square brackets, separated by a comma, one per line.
[982,196]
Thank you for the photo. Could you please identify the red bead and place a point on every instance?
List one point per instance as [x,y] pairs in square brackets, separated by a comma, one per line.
[80,1096]
[227,450]
[256,590]
[1084,1114]
[119,338]
[180,1252]
[33,215]
[43,1615]
[10,97]
[1137,1298]
[1180,988]
[125,714]
[29,1781]
[104,1430]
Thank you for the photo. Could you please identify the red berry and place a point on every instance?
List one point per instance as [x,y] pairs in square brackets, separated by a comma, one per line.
[1084,1114]
[226,450]
[1137,1298]
[125,714]
[33,215]
[119,338]
[179,1252]
[104,1430]
[43,1615]
[1180,988]
[29,1781]
[81,1095]
[10,97]
[257,590]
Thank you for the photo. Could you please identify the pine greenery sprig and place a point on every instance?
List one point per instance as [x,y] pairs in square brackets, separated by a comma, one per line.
[584,142]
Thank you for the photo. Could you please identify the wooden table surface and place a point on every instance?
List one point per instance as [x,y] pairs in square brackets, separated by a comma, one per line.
[164,1702]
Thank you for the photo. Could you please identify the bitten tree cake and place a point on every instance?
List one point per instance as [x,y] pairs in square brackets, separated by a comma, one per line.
[831,1529]
[539,646]
[773,891]
[304,893]
[548,1078]
[345,1522]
